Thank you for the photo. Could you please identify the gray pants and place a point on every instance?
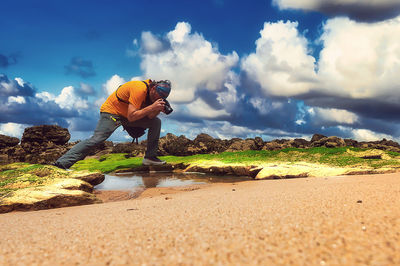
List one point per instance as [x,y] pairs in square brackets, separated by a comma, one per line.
[107,124]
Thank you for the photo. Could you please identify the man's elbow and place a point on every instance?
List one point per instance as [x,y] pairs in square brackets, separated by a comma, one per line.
[131,117]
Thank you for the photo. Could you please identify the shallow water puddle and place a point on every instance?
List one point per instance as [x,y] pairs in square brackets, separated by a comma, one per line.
[132,181]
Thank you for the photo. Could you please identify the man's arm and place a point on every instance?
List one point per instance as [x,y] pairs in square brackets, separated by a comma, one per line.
[150,111]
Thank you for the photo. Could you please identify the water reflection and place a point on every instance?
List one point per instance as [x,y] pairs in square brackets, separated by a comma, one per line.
[132,182]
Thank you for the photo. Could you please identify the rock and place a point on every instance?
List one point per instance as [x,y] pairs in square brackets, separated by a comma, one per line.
[389,143]
[329,142]
[280,173]
[44,144]
[240,170]
[34,187]
[45,134]
[272,146]
[300,143]
[129,147]
[47,156]
[254,170]
[3,159]
[317,137]
[243,145]
[259,143]
[14,154]
[369,154]
[173,145]
[204,143]
[220,170]
[204,138]
[351,143]
[62,193]
[89,177]
[6,141]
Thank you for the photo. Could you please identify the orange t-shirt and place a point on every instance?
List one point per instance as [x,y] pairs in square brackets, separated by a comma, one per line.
[133,92]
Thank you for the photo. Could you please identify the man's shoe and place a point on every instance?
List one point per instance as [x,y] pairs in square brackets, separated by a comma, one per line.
[152,161]
[57,164]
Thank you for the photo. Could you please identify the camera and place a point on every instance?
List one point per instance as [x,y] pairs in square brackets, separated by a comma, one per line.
[167,107]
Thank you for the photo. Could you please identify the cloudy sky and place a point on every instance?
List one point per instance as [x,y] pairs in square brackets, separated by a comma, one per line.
[269,68]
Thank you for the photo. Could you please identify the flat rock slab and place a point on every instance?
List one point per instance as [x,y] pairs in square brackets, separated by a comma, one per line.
[90,177]
[34,187]
[62,193]
[302,169]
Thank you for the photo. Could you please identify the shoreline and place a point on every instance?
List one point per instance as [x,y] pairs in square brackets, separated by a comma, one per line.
[121,195]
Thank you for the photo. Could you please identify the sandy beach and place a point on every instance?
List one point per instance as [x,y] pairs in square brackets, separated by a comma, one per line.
[350,220]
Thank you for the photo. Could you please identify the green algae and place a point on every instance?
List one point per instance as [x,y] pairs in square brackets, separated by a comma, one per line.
[335,157]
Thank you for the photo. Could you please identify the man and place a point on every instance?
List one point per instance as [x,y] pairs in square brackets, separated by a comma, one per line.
[133,104]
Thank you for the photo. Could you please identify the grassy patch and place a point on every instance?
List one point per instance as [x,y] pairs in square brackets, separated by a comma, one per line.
[22,175]
[108,163]
[339,157]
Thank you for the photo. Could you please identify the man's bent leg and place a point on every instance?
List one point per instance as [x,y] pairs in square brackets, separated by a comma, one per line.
[154,126]
[107,124]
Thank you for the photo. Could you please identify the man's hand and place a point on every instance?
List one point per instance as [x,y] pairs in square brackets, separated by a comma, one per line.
[158,106]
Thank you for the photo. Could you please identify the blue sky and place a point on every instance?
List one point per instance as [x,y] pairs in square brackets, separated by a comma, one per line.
[281,68]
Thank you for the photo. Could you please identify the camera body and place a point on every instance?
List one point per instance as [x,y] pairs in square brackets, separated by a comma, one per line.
[167,107]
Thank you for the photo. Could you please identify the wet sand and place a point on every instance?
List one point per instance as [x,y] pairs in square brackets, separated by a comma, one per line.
[352,220]
[141,192]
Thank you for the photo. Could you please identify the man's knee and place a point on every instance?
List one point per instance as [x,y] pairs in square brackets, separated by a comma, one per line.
[97,138]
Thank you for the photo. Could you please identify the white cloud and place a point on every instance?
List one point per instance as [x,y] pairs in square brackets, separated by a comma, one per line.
[281,64]
[8,88]
[358,60]
[87,89]
[12,129]
[229,97]
[327,115]
[225,130]
[199,108]
[368,135]
[112,84]
[99,102]
[137,78]
[361,60]
[20,81]
[190,62]
[17,99]
[150,42]
[181,32]
[69,100]
[45,96]
[264,106]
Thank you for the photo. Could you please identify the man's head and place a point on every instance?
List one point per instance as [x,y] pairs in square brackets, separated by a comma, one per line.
[159,89]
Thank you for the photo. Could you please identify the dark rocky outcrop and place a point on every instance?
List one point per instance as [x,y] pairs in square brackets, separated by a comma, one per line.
[129,147]
[204,143]
[6,141]
[317,137]
[243,145]
[44,144]
[171,144]
[39,144]
[329,142]
[45,134]
[182,146]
